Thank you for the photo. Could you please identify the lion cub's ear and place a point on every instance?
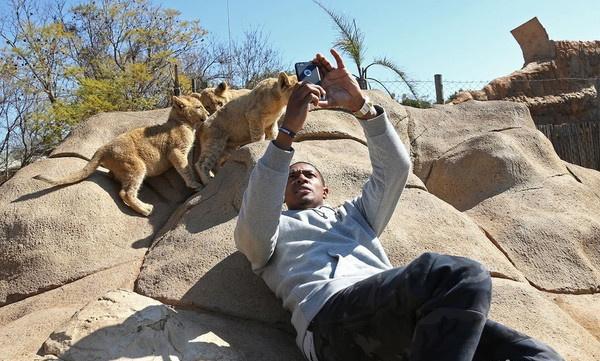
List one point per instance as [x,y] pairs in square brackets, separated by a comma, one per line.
[284,80]
[221,88]
[196,95]
[178,102]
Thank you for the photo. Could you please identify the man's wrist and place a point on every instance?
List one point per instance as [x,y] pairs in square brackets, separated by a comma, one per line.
[371,114]
[283,141]
[366,111]
[360,101]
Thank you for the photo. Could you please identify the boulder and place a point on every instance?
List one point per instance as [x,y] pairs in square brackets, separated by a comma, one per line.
[486,185]
[424,223]
[550,231]
[53,236]
[585,309]
[26,324]
[527,200]
[126,326]
[491,163]
[433,132]
[529,311]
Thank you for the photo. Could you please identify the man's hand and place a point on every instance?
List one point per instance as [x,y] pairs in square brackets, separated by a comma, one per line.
[297,110]
[342,89]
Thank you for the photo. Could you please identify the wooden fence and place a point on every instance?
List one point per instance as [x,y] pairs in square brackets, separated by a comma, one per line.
[577,143]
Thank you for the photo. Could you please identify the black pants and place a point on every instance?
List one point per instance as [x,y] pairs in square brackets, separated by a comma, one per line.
[433,309]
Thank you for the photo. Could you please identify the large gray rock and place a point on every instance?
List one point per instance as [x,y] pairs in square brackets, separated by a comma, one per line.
[492,163]
[424,223]
[54,235]
[126,326]
[50,237]
[527,310]
[433,132]
[551,232]
[26,324]
[484,186]
[530,203]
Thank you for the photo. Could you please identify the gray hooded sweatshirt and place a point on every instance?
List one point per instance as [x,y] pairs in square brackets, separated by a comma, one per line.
[306,256]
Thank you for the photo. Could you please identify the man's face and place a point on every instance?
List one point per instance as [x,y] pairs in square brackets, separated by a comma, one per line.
[304,188]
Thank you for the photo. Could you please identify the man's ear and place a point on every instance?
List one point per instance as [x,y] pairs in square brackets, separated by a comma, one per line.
[325,192]
[221,88]
[178,102]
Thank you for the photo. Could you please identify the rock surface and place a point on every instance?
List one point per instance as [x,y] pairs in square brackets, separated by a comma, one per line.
[523,308]
[126,326]
[486,185]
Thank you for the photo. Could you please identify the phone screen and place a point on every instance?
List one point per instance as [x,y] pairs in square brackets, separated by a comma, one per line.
[309,72]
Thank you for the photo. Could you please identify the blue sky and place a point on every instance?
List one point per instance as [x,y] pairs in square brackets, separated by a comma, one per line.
[462,39]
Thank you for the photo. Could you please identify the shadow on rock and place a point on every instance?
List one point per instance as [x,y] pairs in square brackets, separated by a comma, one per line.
[230,287]
[125,325]
[156,331]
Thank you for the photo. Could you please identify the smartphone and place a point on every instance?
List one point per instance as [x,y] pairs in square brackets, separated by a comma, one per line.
[308,72]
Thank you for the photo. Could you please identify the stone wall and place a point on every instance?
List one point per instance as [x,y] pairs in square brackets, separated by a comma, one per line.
[559,80]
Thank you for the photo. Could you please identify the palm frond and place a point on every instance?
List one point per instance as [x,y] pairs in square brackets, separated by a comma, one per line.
[350,38]
[387,63]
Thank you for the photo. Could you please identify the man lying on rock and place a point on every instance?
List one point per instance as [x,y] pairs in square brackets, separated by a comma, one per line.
[330,270]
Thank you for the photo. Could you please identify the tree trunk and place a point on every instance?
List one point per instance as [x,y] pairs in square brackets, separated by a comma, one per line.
[362,83]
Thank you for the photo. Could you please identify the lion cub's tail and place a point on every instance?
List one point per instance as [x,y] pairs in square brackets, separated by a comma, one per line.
[79,175]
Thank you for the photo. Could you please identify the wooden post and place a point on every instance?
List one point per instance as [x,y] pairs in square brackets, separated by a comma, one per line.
[439,89]
[193,85]
[176,87]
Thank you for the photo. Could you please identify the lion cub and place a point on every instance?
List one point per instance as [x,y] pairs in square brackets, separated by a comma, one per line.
[148,151]
[215,98]
[243,120]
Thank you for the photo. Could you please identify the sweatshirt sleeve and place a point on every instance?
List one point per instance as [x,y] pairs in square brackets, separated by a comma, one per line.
[256,230]
[391,167]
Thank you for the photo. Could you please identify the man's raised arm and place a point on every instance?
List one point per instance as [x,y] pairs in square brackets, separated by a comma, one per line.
[391,167]
[258,221]
[389,159]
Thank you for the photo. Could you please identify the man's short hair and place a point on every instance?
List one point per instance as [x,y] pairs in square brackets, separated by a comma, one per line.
[312,165]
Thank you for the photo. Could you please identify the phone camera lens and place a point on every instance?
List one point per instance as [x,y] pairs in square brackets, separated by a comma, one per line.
[307,72]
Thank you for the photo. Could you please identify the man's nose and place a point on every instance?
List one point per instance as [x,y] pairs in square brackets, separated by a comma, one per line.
[301,179]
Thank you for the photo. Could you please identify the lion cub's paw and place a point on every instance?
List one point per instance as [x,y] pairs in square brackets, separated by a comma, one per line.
[147,210]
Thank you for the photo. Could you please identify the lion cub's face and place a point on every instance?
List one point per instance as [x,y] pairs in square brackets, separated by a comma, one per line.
[286,84]
[190,109]
[279,88]
[214,98]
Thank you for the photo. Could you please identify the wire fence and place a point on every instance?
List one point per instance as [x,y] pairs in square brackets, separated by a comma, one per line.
[428,90]
[425,90]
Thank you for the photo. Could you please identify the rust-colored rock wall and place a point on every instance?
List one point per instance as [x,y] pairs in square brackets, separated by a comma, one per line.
[558,82]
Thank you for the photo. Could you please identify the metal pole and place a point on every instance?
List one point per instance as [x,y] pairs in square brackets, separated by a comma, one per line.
[193,85]
[230,75]
[176,87]
[439,89]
